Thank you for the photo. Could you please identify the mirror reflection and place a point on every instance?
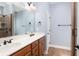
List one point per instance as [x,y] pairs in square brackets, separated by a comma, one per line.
[5,25]
[16,19]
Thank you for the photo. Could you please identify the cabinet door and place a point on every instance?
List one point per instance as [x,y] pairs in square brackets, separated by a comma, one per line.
[41,49]
[42,46]
[35,51]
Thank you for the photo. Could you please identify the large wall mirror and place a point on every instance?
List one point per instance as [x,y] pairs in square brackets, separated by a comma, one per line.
[15,20]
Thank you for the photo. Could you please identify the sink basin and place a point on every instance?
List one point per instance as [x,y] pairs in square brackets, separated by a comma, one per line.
[9,47]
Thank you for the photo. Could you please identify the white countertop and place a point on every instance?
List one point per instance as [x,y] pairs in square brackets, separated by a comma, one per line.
[18,42]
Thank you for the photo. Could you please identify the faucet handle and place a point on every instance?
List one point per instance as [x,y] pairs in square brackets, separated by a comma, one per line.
[10,41]
[4,43]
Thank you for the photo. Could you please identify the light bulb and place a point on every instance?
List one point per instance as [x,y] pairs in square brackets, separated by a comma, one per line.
[32,7]
[27,7]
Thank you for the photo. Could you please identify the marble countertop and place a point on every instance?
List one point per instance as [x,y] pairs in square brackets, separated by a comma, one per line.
[18,42]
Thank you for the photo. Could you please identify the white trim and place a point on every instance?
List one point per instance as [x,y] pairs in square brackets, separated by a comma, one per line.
[62,47]
[46,52]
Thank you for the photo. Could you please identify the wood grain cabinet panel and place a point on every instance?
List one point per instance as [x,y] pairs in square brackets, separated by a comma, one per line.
[35,51]
[42,46]
[41,50]
[34,44]
[28,54]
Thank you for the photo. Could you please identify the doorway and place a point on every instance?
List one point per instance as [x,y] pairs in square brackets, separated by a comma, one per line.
[5,26]
[61,23]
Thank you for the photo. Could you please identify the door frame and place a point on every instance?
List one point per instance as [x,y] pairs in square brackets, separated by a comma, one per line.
[73,28]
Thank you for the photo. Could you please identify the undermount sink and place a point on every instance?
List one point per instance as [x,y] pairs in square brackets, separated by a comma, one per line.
[9,46]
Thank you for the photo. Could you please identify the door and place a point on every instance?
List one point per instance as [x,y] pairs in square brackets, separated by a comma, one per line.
[5,26]
[61,25]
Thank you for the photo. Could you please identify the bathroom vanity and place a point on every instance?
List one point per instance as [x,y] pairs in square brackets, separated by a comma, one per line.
[25,45]
[37,48]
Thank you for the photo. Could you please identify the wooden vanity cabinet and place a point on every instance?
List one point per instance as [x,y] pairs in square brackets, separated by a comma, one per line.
[37,48]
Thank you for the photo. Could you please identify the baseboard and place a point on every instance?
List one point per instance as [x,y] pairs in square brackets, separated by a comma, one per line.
[61,47]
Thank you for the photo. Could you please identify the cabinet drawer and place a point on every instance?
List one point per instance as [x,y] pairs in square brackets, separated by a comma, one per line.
[42,46]
[23,51]
[28,54]
[34,44]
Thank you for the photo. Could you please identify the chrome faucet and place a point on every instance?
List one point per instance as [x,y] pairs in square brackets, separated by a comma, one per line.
[5,41]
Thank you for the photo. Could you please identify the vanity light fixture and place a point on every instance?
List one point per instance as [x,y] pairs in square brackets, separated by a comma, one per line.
[30,6]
